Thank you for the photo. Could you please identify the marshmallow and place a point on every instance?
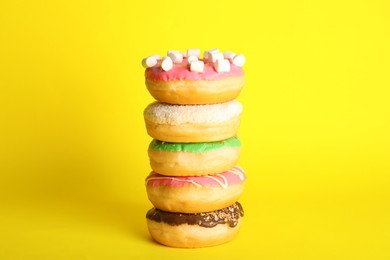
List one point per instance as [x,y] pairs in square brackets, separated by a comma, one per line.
[239,60]
[157,56]
[170,51]
[229,55]
[149,62]
[191,59]
[166,63]
[176,56]
[184,53]
[213,50]
[222,65]
[197,65]
[193,52]
[214,56]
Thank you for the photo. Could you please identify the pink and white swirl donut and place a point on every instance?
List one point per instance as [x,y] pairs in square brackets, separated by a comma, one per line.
[195,194]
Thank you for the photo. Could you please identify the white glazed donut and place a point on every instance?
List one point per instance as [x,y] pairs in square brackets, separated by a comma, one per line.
[192,123]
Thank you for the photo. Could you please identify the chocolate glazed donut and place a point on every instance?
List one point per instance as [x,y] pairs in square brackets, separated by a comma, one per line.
[195,230]
[228,215]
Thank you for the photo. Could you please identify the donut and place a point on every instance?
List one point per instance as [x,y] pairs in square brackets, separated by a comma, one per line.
[194,194]
[195,230]
[192,123]
[193,159]
[180,85]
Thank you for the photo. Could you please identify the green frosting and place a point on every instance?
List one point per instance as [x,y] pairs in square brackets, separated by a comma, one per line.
[194,147]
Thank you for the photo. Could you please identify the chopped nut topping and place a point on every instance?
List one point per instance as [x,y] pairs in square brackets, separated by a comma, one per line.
[228,215]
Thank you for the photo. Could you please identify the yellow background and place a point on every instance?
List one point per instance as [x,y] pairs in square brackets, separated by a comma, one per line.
[315,128]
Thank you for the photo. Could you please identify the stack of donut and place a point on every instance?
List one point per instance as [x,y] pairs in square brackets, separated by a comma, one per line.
[195,182]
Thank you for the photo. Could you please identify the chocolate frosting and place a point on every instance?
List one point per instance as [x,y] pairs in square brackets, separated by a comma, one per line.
[229,215]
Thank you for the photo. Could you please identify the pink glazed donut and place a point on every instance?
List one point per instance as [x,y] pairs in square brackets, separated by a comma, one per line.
[180,85]
[195,194]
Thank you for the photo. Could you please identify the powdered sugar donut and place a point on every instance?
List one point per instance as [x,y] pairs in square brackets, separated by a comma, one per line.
[197,193]
[195,230]
[194,159]
[180,85]
[192,123]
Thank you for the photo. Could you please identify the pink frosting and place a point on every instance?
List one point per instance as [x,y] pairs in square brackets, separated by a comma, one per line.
[224,179]
[181,71]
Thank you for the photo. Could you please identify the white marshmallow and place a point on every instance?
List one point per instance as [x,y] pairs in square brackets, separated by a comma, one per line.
[239,60]
[176,56]
[191,59]
[197,65]
[149,62]
[193,52]
[214,56]
[213,50]
[209,52]
[222,65]
[166,63]
[170,51]
[157,56]
[229,55]
[184,54]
